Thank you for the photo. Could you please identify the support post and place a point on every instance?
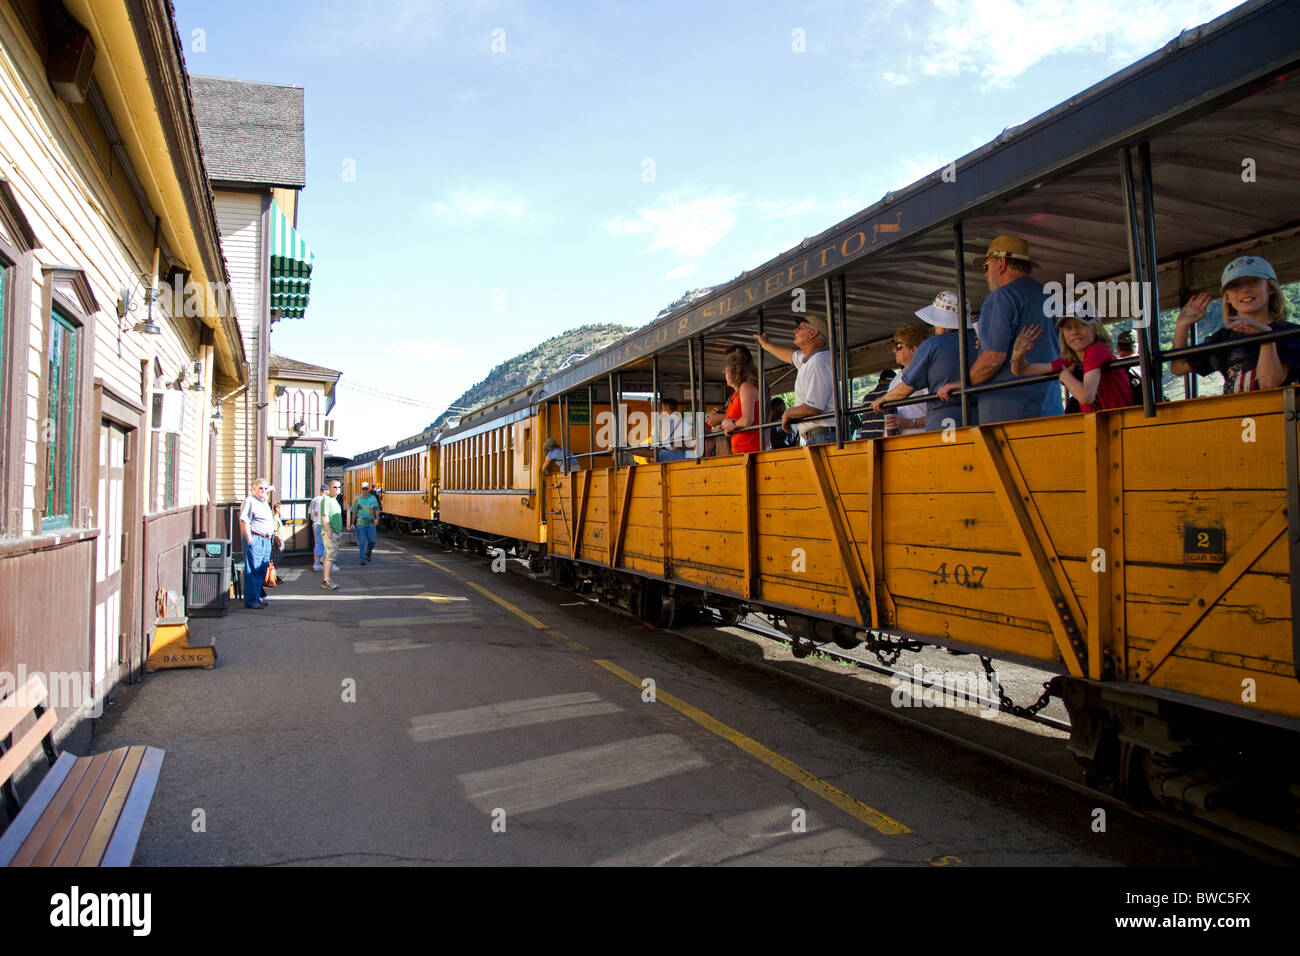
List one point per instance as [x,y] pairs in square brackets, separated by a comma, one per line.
[963,353]
[1138,272]
[835,377]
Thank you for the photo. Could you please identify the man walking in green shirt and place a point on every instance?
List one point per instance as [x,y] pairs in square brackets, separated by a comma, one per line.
[331,527]
[365,518]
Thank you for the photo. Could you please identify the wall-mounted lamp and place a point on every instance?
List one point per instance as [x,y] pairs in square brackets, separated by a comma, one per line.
[126,305]
[198,377]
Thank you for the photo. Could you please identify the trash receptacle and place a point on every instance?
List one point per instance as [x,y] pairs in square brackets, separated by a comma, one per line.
[207,587]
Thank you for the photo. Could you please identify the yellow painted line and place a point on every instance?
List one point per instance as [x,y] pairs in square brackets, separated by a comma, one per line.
[440,598]
[550,631]
[855,808]
[524,615]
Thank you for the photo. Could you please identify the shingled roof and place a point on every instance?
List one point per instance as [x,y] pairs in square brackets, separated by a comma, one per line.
[292,368]
[251,132]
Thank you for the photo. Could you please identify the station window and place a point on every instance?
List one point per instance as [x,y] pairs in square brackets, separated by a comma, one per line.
[171,465]
[62,407]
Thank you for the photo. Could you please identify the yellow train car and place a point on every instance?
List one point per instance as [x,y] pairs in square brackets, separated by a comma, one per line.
[406,483]
[363,468]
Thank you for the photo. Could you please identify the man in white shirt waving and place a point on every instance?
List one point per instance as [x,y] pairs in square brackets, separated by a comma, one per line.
[813,387]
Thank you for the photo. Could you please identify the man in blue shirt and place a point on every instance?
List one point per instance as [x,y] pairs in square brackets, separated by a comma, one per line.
[365,516]
[936,361]
[1017,301]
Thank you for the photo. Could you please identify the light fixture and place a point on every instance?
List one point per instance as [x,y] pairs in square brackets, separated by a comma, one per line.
[216,413]
[198,377]
[147,325]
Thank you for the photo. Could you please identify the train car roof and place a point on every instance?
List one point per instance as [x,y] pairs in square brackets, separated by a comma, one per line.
[1214,95]
[366,456]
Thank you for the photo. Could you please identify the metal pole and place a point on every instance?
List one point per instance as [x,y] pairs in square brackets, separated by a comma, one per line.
[1151,303]
[699,353]
[614,416]
[566,449]
[1191,379]
[844,360]
[690,361]
[764,401]
[1136,270]
[963,353]
[654,403]
[835,378]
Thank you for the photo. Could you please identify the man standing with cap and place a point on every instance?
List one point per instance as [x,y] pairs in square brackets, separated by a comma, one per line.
[365,516]
[257,524]
[814,388]
[1017,301]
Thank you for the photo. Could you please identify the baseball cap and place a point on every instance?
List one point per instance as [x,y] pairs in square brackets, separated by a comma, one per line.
[816,321]
[1079,309]
[1246,266]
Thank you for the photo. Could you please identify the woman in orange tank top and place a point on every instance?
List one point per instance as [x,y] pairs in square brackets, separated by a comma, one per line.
[742,410]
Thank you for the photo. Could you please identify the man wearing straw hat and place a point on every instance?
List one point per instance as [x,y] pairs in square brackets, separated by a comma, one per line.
[1017,301]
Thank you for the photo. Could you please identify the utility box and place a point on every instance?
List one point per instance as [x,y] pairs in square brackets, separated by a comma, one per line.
[207,577]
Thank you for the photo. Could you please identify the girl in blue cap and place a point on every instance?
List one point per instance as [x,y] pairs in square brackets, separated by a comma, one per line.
[1252,304]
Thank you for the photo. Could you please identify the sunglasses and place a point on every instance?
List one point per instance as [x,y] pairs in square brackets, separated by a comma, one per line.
[899,345]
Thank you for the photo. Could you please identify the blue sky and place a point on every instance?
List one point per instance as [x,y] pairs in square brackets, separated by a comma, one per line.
[524,168]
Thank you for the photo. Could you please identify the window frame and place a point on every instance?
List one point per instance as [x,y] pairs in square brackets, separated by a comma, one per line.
[67,300]
[62,384]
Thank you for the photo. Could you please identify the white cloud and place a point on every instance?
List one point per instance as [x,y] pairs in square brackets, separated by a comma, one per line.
[690,224]
[428,351]
[478,204]
[687,226]
[1001,39]
[782,208]
[897,79]
[374,25]
[916,167]
[681,272]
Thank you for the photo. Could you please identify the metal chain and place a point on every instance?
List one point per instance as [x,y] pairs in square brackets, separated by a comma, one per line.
[888,650]
[1006,703]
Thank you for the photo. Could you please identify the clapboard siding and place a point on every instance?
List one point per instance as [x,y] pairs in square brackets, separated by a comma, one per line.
[239,221]
[79,220]
[73,192]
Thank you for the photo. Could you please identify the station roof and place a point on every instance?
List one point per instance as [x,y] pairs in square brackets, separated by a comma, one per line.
[251,132]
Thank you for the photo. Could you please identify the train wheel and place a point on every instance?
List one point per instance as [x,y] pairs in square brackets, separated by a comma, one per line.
[670,612]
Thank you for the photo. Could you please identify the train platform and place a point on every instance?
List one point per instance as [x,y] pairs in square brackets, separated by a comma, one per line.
[431,711]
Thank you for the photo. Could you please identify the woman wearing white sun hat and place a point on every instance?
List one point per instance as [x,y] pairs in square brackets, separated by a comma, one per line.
[936,362]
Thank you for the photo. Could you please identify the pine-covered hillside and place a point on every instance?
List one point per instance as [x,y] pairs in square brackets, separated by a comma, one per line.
[535,364]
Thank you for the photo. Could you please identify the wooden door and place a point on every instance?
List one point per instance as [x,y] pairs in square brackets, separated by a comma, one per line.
[109,555]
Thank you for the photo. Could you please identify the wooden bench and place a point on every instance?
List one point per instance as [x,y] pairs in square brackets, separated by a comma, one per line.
[87,811]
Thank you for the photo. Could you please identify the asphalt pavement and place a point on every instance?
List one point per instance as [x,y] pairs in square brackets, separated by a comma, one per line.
[433,712]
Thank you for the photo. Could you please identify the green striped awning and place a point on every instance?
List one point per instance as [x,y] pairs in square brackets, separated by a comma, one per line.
[291,262]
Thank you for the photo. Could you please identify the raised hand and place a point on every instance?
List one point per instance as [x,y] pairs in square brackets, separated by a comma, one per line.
[1194,310]
[1025,340]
